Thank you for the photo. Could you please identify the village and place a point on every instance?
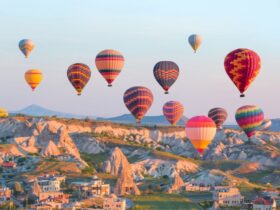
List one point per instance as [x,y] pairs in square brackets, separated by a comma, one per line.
[54,191]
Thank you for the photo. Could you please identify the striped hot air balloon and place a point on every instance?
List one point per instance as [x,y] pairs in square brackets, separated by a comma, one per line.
[265,125]
[166,73]
[3,113]
[33,77]
[200,130]
[195,41]
[109,63]
[26,46]
[242,67]
[249,118]
[78,75]
[138,100]
[218,115]
[173,111]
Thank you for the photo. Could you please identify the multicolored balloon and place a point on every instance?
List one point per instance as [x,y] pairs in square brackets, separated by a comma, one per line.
[3,113]
[195,41]
[109,63]
[166,73]
[138,101]
[200,130]
[242,67]
[173,111]
[249,118]
[78,75]
[26,46]
[33,77]
[265,125]
[219,116]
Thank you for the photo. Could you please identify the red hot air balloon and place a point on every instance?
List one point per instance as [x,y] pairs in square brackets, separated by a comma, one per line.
[173,111]
[78,75]
[200,130]
[242,67]
[166,73]
[109,63]
[218,115]
[138,101]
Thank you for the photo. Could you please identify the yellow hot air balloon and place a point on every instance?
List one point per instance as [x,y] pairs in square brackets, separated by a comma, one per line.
[3,113]
[33,77]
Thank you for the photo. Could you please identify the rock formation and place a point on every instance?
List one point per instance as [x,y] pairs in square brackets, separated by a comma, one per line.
[125,185]
[117,163]
[50,150]
[176,184]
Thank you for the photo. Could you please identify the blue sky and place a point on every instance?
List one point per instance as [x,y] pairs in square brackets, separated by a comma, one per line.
[69,31]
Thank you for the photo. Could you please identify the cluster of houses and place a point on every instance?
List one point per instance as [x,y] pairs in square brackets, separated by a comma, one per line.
[47,191]
[230,196]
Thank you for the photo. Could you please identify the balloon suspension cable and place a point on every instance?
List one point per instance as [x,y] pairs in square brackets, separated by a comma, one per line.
[242,95]
[110,85]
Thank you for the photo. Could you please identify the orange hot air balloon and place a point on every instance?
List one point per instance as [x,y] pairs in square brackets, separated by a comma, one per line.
[78,75]
[33,77]
[173,111]
[242,67]
[200,130]
[109,63]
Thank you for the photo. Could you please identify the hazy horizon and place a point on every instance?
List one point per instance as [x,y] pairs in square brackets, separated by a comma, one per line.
[66,32]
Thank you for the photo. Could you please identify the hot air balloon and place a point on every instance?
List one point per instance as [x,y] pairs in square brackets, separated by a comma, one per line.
[265,125]
[138,100]
[78,75]
[3,113]
[33,77]
[173,111]
[109,63]
[26,46]
[166,73]
[200,130]
[242,67]
[218,115]
[249,118]
[195,41]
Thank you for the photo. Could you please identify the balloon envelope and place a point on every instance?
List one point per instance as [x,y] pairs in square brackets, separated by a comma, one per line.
[242,67]
[138,101]
[3,113]
[78,75]
[218,115]
[200,130]
[265,125]
[173,111]
[26,46]
[166,73]
[109,63]
[249,118]
[33,77]
[195,41]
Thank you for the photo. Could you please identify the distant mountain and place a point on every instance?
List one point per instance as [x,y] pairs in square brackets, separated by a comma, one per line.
[148,120]
[35,110]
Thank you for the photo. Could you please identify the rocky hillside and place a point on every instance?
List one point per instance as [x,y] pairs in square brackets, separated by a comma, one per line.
[147,151]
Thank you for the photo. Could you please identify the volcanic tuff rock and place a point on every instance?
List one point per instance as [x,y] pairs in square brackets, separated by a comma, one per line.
[117,163]
[125,185]
[50,150]
[176,184]
[38,134]
[158,168]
